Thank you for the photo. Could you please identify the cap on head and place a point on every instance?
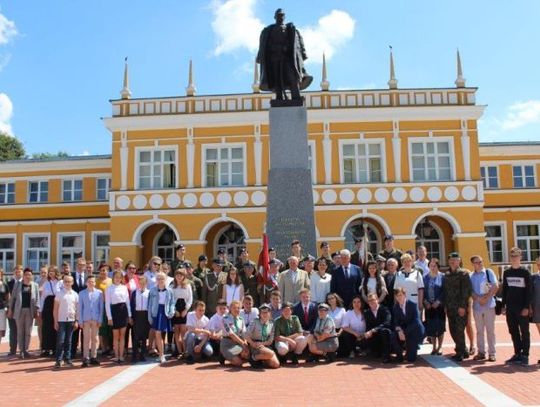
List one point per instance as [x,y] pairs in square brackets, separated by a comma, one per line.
[218,261]
[309,257]
[388,237]
[279,12]
[380,258]
[324,306]
[202,257]
[221,251]
[274,261]
[454,255]
[325,244]
[264,307]
[180,246]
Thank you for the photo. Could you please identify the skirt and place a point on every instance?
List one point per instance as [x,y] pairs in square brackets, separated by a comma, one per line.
[179,307]
[435,322]
[48,333]
[160,322]
[229,348]
[119,315]
[328,345]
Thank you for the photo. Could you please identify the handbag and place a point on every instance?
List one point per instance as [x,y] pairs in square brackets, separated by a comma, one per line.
[498,300]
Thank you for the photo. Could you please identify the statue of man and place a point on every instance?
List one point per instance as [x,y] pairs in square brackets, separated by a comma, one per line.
[281,56]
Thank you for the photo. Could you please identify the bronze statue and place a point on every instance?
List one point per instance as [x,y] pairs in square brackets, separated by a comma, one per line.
[281,57]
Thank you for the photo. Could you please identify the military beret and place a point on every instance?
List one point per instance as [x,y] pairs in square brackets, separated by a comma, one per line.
[454,255]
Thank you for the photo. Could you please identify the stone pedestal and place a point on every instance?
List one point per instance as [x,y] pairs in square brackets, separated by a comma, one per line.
[290,213]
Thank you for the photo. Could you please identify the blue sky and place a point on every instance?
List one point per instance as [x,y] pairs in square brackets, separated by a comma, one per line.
[61,61]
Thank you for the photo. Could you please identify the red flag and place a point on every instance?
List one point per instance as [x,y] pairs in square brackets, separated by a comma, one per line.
[263,260]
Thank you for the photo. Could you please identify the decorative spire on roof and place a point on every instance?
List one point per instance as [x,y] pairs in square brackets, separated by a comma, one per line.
[392,83]
[256,83]
[325,85]
[460,80]
[125,93]
[190,90]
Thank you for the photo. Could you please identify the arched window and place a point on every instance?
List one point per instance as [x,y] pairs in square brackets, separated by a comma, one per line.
[165,245]
[429,235]
[231,239]
[356,231]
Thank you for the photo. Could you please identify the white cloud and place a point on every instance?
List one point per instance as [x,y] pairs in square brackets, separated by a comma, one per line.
[331,32]
[235,26]
[521,114]
[85,153]
[6,111]
[7,30]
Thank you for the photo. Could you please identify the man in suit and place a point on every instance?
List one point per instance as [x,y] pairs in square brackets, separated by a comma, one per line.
[346,279]
[291,281]
[358,256]
[306,311]
[408,325]
[79,284]
[17,277]
[378,328]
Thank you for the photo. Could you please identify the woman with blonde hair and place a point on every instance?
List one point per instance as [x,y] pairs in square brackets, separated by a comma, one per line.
[49,290]
[118,310]
[183,298]
[160,311]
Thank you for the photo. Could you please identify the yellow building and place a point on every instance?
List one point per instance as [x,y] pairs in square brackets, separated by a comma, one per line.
[193,169]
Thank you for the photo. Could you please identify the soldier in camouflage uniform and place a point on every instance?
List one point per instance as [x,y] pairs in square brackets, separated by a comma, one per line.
[457,291]
[195,282]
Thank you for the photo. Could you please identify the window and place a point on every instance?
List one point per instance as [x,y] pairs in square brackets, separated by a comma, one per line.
[72,190]
[428,235]
[523,176]
[528,240]
[37,251]
[165,245]
[224,166]
[356,230]
[103,185]
[495,243]
[7,193]
[490,177]
[231,239]
[157,169]
[70,248]
[361,163]
[7,253]
[38,191]
[100,248]
[431,161]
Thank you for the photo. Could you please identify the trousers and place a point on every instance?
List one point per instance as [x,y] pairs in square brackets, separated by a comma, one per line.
[518,327]
[24,329]
[457,325]
[485,324]
[90,339]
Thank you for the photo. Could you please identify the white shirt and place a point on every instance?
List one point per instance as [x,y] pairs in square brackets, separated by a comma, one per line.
[337,315]
[68,302]
[150,279]
[320,286]
[354,321]
[233,293]
[250,316]
[422,264]
[141,300]
[193,322]
[49,288]
[411,284]
[216,323]
[185,293]
[116,294]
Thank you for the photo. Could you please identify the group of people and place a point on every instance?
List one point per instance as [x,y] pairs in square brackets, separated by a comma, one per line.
[339,305]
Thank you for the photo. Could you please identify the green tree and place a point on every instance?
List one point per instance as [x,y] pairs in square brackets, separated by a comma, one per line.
[48,156]
[10,147]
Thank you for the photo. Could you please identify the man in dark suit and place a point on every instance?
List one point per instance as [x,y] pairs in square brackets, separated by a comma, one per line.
[79,284]
[17,277]
[408,326]
[346,279]
[358,256]
[306,310]
[378,334]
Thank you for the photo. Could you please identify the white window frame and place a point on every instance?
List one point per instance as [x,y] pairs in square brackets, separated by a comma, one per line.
[72,190]
[379,141]
[26,236]
[312,147]
[59,237]
[433,139]
[218,146]
[522,223]
[3,262]
[523,178]
[486,180]
[108,189]
[39,181]
[6,194]
[95,234]
[152,149]
[503,238]
[442,243]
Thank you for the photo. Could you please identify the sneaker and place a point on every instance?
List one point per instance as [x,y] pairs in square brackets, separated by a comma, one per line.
[142,358]
[190,360]
[221,359]
[294,359]
[466,355]
[57,365]
[68,363]
[479,356]
[94,362]
[525,360]
[85,363]
[457,358]
[21,355]
[331,357]
[162,359]
[492,358]
[313,359]
[513,360]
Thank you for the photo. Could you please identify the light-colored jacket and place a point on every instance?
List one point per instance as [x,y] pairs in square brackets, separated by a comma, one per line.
[15,303]
[289,288]
[153,303]
[91,309]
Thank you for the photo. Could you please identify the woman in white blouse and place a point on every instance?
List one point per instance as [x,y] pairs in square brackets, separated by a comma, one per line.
[183,298]
[373,283]
[320,282]
[337,311]
[50,287]
[118,312]
[233,289]
[353,328]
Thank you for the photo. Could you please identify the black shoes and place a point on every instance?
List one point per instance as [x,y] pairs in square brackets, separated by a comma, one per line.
[85,363]
[514,360]
[94,362]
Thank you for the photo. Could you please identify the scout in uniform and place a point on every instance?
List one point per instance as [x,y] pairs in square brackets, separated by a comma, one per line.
[457,291]
[260,337]
[389,252]
[210,291]
[233,346]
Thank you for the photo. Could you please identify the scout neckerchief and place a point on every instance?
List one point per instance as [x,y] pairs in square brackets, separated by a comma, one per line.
[264,331]
[236,327]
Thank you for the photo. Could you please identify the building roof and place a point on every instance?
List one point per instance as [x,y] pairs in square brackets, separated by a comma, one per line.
[68,158]
[508,143]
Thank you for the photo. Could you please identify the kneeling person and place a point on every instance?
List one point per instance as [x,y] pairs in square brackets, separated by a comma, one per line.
[260,337]
[289,335]
[233,346]
[198,334]
[323,341]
